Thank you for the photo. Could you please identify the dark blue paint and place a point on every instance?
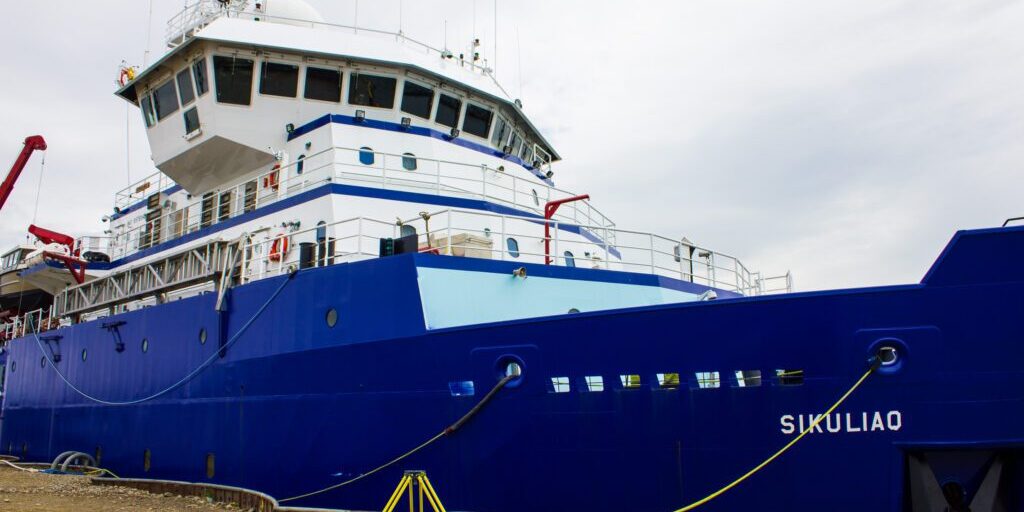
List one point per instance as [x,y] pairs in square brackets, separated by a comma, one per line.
[296,405]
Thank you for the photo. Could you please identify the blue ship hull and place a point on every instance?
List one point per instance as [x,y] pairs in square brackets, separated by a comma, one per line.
[296,405]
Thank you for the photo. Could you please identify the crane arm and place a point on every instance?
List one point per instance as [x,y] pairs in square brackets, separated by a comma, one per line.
[32,143]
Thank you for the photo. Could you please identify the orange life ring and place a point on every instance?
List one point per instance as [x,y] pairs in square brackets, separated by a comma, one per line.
[271,179]
[278,249]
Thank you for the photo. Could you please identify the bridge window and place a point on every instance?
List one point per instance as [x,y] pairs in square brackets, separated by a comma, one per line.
[366,155]
[526,154]
[516,143]
[501,130]
[448,108]
[185,87]
[409,161]
[191,120]
[477,121]
[570,260]
[279,79]
[165,99]
[234,80]
[371,91]
[513,247]
[147,111]
[417,100]
[199,71]
[323,85]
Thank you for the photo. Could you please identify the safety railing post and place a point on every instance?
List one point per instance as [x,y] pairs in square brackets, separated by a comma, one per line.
[501,241]
[607,251]
[556,252]
[651,247]
[437,176]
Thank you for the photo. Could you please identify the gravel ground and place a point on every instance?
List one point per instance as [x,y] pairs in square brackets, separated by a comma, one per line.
[39,492]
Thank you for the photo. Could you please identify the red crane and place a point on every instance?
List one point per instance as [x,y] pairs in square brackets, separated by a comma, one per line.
[32,143]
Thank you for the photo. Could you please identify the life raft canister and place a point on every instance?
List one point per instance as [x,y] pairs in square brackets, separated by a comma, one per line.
[271,179]
[278,248]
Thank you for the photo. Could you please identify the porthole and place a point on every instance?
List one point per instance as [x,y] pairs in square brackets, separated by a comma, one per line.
[366,155]
[202,335]
[210,465]
[299,164]
[85,354]
[573,310]
[145,345]
[513,247]
[14,366]
[146,460]
[332,317]
[42,362]
[536,198]
[409,161]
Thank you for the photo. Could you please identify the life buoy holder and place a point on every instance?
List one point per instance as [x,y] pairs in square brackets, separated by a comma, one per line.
[127,75]
[270,180]
[278,248]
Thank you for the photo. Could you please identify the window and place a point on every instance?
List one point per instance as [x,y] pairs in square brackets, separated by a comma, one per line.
[366,155]
[559,384]
[790,377]
[630,381]
[477,121]
[299,164]
[501,130]
[147,111]
[570,261]
[234,80]
[279,79]
[185,87]
[595,383]
[526,154]
[536,198]
[165,99]
[515,142]
[708,380]
[417,100]
[748,378]
[199,70]
[409,161]
[371,91]
[323,85]
[191,121]
[513,247]
[448,108]
[668,380]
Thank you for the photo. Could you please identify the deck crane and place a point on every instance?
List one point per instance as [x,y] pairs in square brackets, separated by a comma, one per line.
[70,254]
[32,143]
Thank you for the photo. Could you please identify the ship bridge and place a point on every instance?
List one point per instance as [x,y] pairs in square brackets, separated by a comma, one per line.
[239,83]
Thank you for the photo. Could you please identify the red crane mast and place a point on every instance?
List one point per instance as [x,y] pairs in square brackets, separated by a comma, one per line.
[32,143]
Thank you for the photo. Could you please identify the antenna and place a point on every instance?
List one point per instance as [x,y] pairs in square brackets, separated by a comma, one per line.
[355,18]
[400,2]
[519,57]
[494,64]
[149,37]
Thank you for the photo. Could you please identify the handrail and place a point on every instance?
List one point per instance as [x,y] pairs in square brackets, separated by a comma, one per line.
[1011,219]
[204,12]
[342,165]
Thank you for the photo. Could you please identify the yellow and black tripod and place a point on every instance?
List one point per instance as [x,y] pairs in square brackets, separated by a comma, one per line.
[410,480]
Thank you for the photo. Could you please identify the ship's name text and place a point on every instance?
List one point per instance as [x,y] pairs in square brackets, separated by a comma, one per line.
[851,422]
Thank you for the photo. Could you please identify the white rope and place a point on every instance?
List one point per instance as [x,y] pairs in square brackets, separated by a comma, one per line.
[39,187]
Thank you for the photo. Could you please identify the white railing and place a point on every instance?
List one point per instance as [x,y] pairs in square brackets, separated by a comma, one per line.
[36,321]
[142,189]
[343,165]
[200,14]
[470,233]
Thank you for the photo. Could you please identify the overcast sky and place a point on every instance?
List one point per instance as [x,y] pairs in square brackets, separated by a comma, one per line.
[843,140]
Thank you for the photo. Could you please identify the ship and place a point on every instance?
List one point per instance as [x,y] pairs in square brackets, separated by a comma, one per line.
[353,261]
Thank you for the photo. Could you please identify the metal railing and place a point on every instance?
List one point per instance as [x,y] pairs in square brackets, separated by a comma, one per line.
[200,14]
[140,190]
[400,172]
[469,233]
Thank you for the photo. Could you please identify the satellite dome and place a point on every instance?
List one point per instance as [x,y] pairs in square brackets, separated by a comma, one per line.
[291,9]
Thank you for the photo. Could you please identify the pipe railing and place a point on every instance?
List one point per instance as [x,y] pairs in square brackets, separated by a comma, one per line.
[343,165]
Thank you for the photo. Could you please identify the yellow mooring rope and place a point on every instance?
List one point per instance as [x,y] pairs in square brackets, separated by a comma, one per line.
[874,365]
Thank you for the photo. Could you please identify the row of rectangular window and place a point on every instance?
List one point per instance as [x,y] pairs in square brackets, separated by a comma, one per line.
[703,380]
[234,82]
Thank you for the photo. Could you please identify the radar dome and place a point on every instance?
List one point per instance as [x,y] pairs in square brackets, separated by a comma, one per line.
[291,9]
